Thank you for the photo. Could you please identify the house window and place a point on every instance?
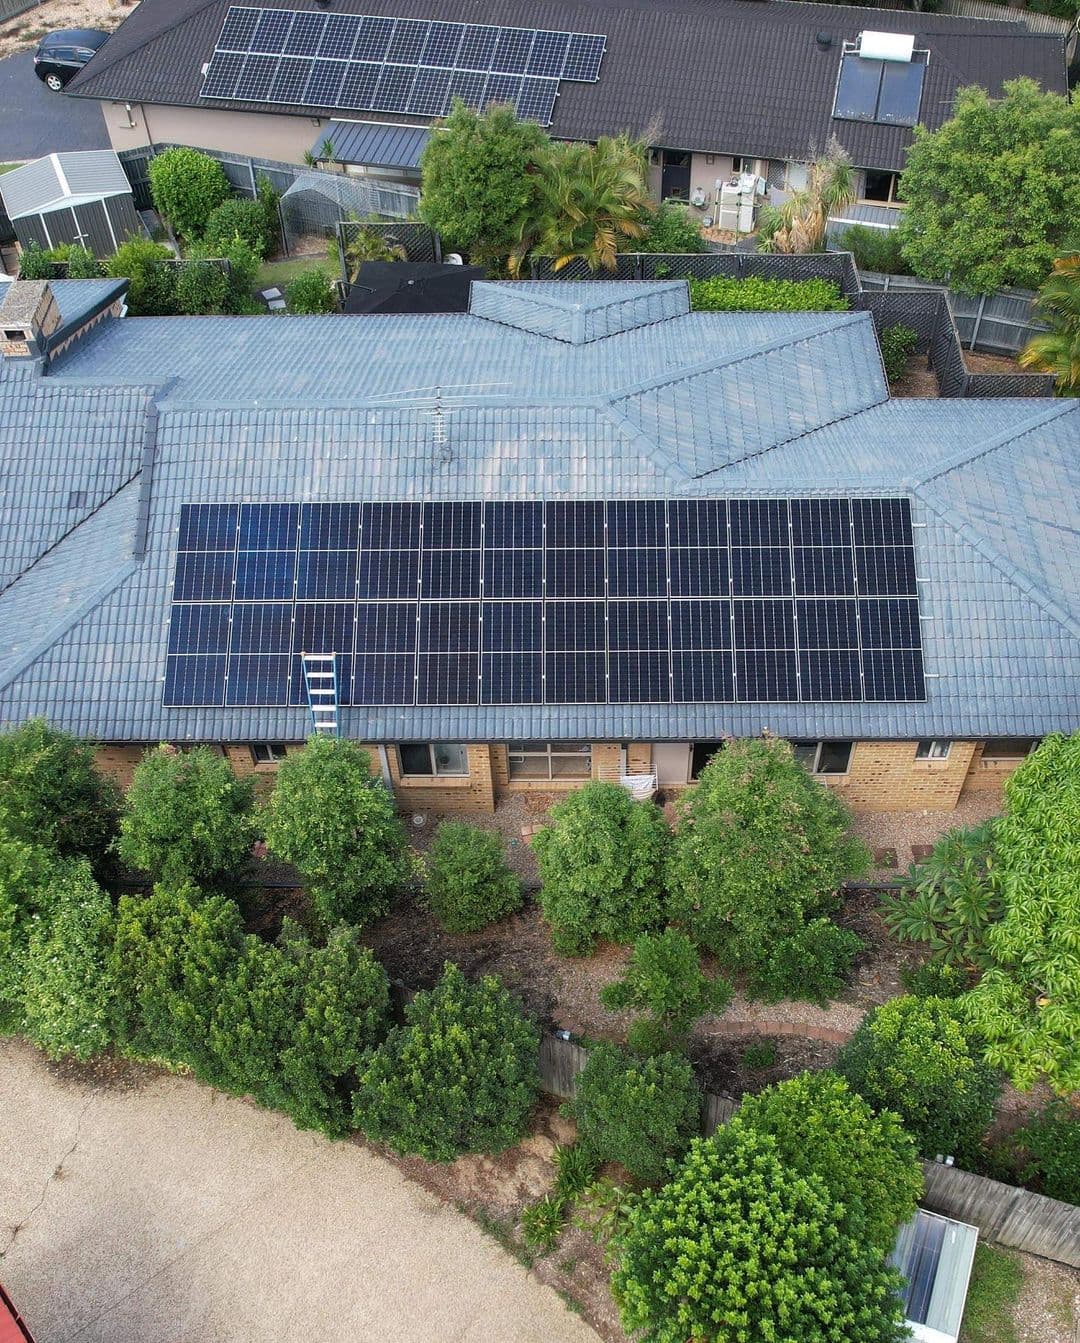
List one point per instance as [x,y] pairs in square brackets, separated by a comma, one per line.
[882,188]
[267,752]
[430,758]
[933,749]
[14,335]
[701,753]
[1008,748]
[550,760]
[823,757]
[740,163]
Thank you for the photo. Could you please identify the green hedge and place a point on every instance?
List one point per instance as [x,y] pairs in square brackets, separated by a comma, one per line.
[758,295]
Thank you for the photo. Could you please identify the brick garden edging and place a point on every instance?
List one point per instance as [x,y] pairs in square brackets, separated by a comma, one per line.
[798,1028]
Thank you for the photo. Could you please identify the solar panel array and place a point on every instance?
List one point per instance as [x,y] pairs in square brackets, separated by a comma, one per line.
[884,91]
[582,602]
[414,66]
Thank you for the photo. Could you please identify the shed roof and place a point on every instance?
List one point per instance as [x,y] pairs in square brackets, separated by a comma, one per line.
[61,181]
[935,1255]
[376,144]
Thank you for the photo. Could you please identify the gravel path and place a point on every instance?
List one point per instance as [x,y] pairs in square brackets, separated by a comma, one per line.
[144,1208]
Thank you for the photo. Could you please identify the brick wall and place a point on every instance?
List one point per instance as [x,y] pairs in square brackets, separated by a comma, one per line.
[607,761]
[472,792]
[885,776]
[986,776]
[639,757]
[118,762]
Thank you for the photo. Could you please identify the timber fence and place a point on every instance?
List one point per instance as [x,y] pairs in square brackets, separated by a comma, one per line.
[1004,1214]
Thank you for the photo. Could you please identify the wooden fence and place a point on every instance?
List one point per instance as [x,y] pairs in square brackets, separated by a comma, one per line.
[1004,1214]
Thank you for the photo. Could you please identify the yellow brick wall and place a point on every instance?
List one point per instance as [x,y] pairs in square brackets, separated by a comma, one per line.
[607,761]
[472,792]
[885,776]
[639,757]
[988,776]
[118,762]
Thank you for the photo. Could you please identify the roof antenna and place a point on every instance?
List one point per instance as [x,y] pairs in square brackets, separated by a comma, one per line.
[443,452]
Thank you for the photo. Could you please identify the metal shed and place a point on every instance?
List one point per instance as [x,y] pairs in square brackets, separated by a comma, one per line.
[935,1255]
[80,197]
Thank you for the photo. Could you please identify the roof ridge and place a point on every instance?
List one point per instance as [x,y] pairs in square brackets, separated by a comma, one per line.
[175,20]
[989,445]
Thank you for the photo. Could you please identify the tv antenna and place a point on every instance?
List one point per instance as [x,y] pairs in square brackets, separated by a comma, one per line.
[440,401]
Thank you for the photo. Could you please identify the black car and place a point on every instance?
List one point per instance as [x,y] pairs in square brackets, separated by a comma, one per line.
[60,56]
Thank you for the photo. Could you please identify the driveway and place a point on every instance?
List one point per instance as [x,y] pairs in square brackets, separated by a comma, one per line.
[34,121]
[154,1210]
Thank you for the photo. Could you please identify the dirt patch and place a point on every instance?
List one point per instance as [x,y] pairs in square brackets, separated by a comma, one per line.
[977,362]
[918,380]
[25,31]
[724,1066]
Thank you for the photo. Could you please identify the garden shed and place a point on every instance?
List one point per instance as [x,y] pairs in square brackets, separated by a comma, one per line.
[80,197]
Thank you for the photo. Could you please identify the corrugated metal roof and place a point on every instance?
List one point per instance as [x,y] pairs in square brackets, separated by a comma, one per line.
[935,1255]
[60,181]
[374,144]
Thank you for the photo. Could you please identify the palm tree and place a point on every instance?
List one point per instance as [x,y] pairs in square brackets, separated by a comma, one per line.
[591,200]
[799,224]
[1058,304]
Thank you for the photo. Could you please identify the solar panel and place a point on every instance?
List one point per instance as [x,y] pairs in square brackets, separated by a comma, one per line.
[564,602]
[875,90]
[901,93]
[394,65]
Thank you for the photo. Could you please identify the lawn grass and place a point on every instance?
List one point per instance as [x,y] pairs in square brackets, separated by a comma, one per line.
[282,273]
[7,167]
[996,1280]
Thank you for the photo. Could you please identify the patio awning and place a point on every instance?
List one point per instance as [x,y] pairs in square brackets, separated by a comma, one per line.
[374,144]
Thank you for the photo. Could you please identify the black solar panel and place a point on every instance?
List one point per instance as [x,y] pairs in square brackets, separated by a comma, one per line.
[874,90]
[394,65]
[565,602]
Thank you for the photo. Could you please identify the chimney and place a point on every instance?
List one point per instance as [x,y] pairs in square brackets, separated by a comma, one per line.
[28,317]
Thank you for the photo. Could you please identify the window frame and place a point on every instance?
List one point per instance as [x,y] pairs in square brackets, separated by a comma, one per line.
[1033,745]
[274,752]
[815,763]
[933,753]
[435,772]
[893,197]
[583,752]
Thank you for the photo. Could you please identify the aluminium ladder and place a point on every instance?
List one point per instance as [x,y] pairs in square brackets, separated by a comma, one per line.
[320,681]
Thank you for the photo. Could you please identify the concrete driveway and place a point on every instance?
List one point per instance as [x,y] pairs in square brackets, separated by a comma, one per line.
[159,1211]
[34,121]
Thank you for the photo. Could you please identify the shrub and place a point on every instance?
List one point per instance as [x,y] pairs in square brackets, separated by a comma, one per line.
[542,1222]
[51,795]
[735,1237]
[897,345]
[672,229]
[336,823]
[812,963]
[151,276]
[874,249]
[638,1112]
[201,287]
[1052,1143]
[187,816]
[601,861]
[237,218]
[35,263]
[26,873]
[187,186]
[460,1076]
[935,979]
[760,848]
[82,264]
[868,1162]
[575,1168]
[918,1057]
[664,978]
[67,987]
[468,882]
[311,292]
[758,295]
[269,198]
[760,1055]
[243,267]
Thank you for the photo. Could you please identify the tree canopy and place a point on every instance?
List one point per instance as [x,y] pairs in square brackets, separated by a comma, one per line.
[187,187]
[993,193]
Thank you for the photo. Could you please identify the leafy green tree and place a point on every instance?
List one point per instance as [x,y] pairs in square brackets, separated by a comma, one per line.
[638,1112]
[201,287]
[898,344]
[479,177]
[51,794]
[35,263]
[187,186]
[460,1076]
[950,902]
[336,823]
[664,979]
[1051,1143]
[868,1162]
[344,1004]
[1058,304]
[237,217]
[252,1020]
[67,986]
[920,1059]
[1027,1004]
[173,950]
[187,816]
[592,201]
[760,848]
[269,198]
[874,249]
[739,1248]
[812,963]
[311,292]
[601,860]
[993,193]
[151,276]
[468,882]
[672,229]
[26,883]
[82,264]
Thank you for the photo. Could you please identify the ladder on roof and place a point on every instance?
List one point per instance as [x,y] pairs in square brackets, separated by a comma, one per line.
[320,681]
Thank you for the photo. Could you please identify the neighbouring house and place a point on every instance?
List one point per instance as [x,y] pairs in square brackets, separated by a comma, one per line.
[81,197]
[576,532]
[722,88]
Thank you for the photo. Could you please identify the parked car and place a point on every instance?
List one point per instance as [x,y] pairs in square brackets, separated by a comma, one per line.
[61,55]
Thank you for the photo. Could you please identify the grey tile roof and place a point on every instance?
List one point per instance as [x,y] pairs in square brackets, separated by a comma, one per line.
[321,409]
[717,75]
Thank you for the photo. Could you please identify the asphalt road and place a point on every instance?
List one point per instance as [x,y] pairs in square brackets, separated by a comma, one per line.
[155,1210]
[35,121]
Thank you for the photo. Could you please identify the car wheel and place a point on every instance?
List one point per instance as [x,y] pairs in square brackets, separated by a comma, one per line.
[54,82]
